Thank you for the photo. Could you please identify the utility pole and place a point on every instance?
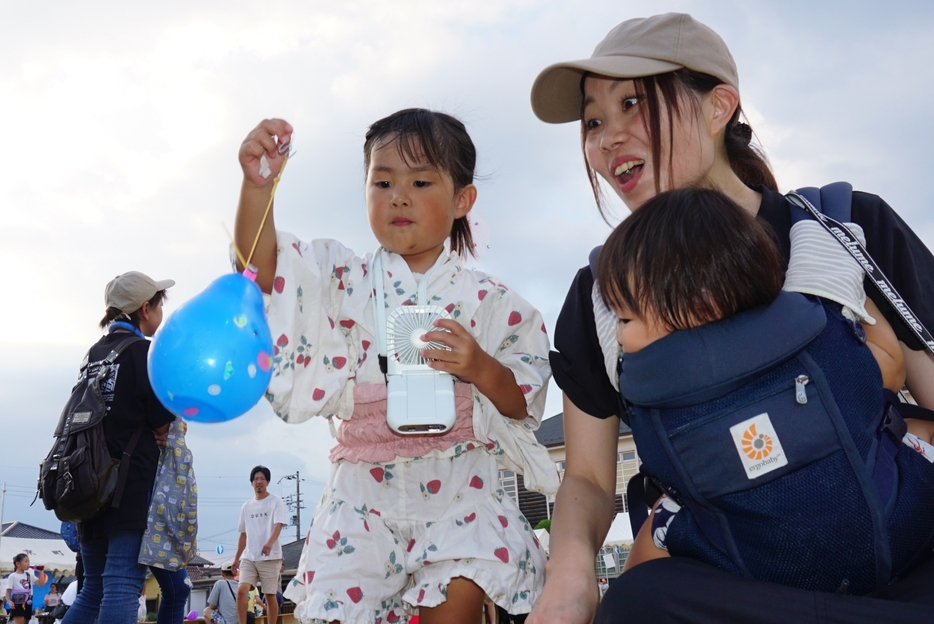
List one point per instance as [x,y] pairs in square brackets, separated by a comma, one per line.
[298,507]
[296,502]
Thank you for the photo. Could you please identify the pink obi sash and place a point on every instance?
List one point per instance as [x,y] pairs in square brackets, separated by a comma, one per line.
[367,437]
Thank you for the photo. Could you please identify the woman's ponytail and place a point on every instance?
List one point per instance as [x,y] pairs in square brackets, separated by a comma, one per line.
[114,314]
[746,158]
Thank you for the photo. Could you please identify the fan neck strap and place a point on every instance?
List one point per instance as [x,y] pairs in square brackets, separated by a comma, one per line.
[379,298]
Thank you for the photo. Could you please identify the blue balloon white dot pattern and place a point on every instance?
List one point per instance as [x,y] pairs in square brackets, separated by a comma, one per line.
[211,361]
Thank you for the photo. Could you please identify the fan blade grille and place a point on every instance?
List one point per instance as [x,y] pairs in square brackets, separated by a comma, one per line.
[406,322]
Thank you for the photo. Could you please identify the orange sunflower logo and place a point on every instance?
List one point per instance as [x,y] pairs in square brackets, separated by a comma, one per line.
[756,445]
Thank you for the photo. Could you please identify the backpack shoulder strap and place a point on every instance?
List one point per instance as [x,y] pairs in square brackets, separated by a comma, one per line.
[111,357]
[125,466]
[134,439]
[121,347]
[83,371]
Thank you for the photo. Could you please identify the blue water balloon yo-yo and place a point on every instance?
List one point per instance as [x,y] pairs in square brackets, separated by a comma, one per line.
[211,360]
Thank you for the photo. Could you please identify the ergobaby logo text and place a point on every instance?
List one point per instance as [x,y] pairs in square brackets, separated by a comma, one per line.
[758,446]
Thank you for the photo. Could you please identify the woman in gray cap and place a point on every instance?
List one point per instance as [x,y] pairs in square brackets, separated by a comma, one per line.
[110,541]
[659,107]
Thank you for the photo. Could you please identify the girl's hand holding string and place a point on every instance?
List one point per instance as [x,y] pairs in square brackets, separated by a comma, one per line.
[263,151]
[262,141]
[467,361]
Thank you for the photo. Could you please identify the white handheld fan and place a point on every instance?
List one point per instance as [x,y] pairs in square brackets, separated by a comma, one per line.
[420,399]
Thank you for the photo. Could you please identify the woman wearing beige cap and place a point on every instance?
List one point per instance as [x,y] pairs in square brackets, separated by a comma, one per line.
[659,107]
[110,541]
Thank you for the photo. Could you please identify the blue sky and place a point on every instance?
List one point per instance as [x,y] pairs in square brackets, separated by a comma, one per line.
[122,126]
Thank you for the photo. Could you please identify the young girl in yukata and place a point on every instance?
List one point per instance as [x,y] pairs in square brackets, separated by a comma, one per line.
[692,256]
[406,522]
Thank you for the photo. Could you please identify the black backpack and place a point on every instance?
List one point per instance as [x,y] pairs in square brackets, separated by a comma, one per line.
[78,479]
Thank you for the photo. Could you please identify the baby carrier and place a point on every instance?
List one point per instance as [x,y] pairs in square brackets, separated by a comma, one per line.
[776,438]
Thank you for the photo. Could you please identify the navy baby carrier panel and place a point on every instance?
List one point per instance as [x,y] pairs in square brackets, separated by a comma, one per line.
[804,507]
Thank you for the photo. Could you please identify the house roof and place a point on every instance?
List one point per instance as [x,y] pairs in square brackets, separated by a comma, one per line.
[21,529]
[195,572]
[200,561]
[551,431]
[291,553]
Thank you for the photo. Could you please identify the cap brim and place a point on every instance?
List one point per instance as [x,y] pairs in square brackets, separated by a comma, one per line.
[163,284]
[556,93]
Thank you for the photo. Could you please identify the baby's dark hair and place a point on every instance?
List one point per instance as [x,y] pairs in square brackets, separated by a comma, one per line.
[438,138]
[114,314]
[690,256]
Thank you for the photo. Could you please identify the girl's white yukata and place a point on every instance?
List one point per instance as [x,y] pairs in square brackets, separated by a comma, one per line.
[403,515]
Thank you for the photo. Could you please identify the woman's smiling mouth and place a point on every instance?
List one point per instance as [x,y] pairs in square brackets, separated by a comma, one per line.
[627,173]
[627,167]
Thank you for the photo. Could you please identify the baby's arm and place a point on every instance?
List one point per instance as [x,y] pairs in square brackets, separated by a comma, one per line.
[881,340]
[254,197]
[643,547]
[924,429]
[820,266]
[885,348]
[470,363]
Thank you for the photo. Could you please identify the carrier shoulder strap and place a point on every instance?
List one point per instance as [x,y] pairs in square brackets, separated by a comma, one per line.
[637,502]
[830,206]
[605,323]
[831,198]
[834,200]
[592,260]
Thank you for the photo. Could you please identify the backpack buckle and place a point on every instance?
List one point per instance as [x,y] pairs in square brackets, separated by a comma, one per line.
[893,425]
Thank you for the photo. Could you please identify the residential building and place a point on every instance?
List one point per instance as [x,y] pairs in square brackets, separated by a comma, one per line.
[537,507]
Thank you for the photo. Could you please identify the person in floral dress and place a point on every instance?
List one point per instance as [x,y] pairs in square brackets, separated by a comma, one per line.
[406,522]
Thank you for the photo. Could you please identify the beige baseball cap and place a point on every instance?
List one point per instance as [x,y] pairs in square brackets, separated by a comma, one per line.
[128,292]
[640,47]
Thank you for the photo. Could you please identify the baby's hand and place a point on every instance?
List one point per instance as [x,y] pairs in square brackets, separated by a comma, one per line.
[262,141]
[466,360]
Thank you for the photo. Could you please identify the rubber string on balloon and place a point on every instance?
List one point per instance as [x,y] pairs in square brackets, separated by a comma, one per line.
[285,151]
[249,270]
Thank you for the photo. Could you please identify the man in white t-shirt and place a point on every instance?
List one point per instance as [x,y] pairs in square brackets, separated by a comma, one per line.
[259,555]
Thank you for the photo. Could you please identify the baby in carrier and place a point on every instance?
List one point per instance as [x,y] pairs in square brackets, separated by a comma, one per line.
[768,418]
